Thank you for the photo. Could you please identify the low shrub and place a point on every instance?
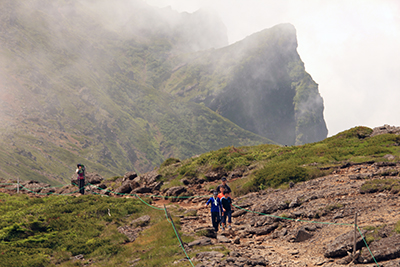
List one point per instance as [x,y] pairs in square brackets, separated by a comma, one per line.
[169,161]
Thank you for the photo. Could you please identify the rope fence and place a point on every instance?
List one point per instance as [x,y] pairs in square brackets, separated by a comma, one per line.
[182,197]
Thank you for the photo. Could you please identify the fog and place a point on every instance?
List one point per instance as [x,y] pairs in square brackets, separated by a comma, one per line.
[350,48]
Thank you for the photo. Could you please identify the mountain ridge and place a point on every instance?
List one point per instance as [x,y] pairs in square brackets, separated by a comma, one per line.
[73,90]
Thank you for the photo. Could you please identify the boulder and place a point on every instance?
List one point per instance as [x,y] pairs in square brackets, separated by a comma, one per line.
[125,188]
[264,230]
[129,176]
[93,178]
[343,244]
[155,186]
[302,235]
[176,191]
[384,249]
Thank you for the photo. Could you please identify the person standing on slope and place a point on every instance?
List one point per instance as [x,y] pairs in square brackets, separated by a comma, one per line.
[226,203]
[216,210]
[80,171]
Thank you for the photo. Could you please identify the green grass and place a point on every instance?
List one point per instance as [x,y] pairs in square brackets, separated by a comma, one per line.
[380,185]
[276,166]
[49,231]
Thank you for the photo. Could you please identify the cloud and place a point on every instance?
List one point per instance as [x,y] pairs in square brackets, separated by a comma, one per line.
[350,48]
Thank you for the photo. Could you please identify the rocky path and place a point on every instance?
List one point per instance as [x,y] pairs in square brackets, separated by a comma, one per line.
[319,212]
[318,229]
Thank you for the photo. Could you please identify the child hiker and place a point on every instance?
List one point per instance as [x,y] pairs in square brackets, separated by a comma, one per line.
[221,192]
[226,202]
[216,210]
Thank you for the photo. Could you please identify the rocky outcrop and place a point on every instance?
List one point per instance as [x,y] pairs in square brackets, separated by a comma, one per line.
[146,183]
[385,129]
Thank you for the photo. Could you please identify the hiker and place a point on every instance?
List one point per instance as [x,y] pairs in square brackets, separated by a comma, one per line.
[221,192]
[216,210]
[80,171]
[226,203]
[227,188]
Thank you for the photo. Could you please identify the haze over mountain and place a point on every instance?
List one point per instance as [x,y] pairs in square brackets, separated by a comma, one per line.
[124,86]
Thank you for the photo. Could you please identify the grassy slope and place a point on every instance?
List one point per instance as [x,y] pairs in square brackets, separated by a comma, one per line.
[50,231]
[275,166]
[83,93]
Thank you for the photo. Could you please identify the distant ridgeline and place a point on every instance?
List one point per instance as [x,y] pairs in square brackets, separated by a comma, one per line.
[123,86]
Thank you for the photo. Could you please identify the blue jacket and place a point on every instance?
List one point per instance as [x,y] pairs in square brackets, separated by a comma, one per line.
[215,204]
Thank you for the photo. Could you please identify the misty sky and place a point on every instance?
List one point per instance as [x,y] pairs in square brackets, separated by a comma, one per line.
[351,48]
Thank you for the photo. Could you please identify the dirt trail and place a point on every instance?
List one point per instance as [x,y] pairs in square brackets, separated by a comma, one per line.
[323,205]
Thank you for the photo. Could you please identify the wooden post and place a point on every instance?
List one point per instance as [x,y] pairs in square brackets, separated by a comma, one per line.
[355,236]
[17,185]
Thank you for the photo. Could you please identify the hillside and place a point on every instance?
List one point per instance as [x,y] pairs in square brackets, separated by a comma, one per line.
[88,82]
[298,220]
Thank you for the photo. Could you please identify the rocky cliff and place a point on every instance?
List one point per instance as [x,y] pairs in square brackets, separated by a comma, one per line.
[123,86]
[259,84]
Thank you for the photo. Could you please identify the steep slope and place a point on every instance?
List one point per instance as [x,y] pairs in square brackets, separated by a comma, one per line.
[122,86]
[75,88]
[260,84]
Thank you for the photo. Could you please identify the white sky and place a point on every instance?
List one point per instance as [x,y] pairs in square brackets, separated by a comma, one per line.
[351,48]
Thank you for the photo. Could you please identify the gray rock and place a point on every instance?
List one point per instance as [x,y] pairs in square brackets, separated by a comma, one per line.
[384,249]
[223,239]
[200,242]
[238,213]
[93,178]
[141,221]
[142,190]
[130,176]
[302,235]
[343,244]
[264,230]
[175,191]
[149,178]
[125,188]
[207,255]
